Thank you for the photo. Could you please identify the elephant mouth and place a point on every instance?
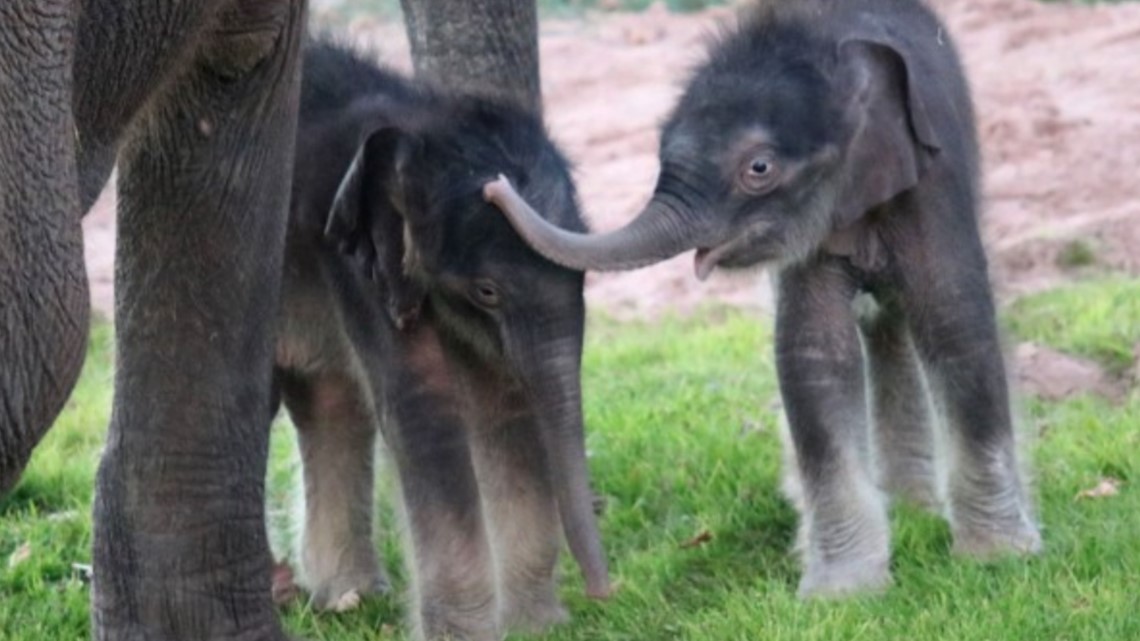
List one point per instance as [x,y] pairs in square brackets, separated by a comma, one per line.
[706,260]
[745,250]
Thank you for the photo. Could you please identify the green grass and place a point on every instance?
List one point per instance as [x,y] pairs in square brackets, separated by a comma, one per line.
[683,441]
[1098,319]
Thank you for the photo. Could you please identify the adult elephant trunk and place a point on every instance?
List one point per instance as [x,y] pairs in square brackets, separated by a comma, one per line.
[661,231]
[557,393]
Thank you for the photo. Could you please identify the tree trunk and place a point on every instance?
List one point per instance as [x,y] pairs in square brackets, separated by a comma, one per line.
[484,47]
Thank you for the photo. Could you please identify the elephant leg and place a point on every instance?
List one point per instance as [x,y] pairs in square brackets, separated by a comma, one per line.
[522,513]
[450,557]
[337,435]
[956,335]
[44,303]
[903,438]
[844,533]
[180,547]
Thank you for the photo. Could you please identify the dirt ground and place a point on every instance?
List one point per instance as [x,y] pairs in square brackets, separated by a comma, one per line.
[1057,89]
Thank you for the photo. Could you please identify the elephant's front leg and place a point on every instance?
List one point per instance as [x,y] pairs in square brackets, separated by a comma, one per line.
[844,533]
[180,545]
[44,305]
[522,513]
[336,430]
[450,557]
[956,335]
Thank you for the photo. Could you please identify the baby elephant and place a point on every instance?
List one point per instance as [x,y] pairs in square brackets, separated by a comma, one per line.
[411,306]
[834,140]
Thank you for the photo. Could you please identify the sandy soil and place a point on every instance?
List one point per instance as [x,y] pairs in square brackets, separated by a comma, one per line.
[1057,89]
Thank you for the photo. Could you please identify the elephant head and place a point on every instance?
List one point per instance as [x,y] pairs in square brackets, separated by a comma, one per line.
[784,137]
[410,209]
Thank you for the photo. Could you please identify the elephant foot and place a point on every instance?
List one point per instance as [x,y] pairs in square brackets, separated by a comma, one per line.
[863,567]
[1020,538]
[533,613]
[459,622]
[845,545]
[345,593]
[992,521]
[847,577]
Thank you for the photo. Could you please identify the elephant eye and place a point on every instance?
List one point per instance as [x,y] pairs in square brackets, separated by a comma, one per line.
[485,293]
[760,174]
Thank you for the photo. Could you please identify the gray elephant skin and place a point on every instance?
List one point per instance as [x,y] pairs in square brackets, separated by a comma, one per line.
[410,304]
[834,141]
[196,102]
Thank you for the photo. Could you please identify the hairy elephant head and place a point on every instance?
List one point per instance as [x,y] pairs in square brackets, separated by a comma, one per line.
[791,131]
[411,209]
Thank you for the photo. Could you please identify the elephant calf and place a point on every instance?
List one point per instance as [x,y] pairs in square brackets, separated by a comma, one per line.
[411,306]
[834,140]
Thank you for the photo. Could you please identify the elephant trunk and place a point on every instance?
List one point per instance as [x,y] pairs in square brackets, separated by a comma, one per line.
[659,232]
[558,395]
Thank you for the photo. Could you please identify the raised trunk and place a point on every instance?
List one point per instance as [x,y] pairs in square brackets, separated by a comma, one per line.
[483,47]
[44,305]
[658,233]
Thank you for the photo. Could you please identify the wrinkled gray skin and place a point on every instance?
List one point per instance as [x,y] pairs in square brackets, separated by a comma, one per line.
[411,306]
[196,101]
[834,141]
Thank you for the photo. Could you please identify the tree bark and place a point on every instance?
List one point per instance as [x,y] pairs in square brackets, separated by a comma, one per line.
[483,47]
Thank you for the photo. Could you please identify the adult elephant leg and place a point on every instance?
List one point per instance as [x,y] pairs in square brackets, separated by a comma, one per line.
[484,47]
[903,439]
[844,534]
[125,51]
[180,545]
[522,512]
[44,303]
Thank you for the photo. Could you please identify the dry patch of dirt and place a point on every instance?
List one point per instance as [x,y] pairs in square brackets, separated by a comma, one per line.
[1053,375]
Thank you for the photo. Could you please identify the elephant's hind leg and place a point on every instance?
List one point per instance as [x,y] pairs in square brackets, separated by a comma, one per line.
[903,437]
[337,433]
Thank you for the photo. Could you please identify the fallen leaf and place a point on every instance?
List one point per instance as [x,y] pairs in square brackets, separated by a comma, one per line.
[83,571]
[1106,487]
[22,553]
[704,537]
[347,602]
[66,515]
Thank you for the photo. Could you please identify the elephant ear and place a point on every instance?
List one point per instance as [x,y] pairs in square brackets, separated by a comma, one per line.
[369,219]
[893,135]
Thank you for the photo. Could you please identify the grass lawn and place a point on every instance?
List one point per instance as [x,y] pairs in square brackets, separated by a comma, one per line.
[683,441]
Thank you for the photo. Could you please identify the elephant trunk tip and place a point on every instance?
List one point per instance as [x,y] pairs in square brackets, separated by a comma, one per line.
[498,190]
